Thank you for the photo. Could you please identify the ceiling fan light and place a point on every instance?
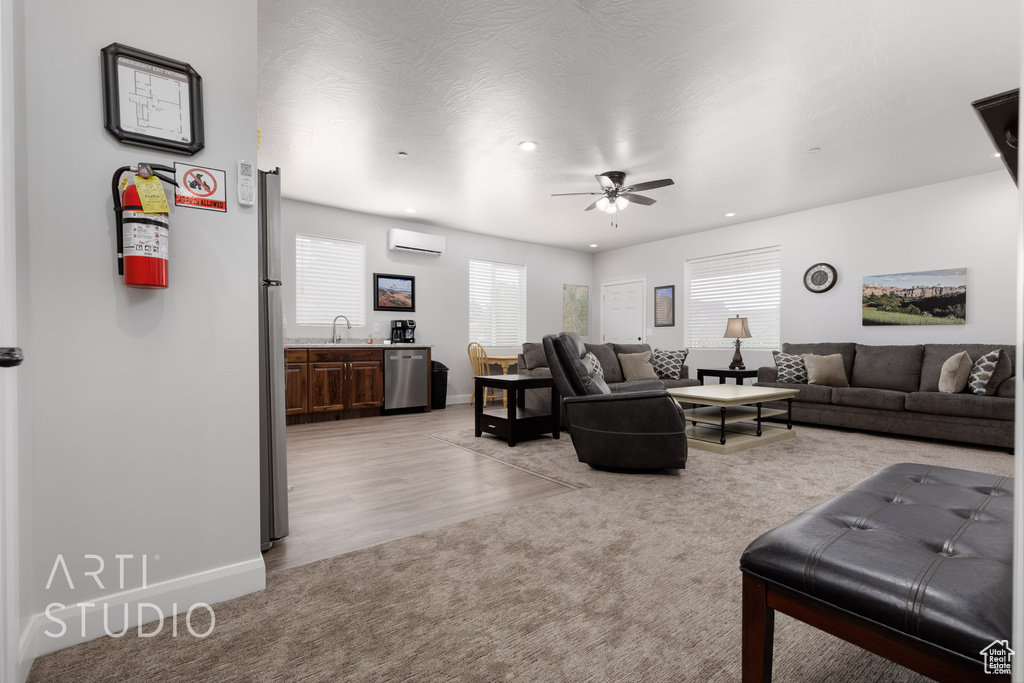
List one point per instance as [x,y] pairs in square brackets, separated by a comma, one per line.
[602,204]
[621,203]
[611,208]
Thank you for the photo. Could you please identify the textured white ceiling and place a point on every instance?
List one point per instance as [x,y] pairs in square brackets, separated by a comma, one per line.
[726,97]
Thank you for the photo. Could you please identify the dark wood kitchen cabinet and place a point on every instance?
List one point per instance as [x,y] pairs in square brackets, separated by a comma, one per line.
[327,386]
[333,384]
[367,384]
[296,382]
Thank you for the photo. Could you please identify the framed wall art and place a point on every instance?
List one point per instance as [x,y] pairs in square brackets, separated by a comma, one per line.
[929,297]
[152,101]
[665,306]
[394,293]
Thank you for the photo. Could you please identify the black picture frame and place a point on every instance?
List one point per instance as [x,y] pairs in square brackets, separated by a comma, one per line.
[183,141]
[394,292]
[665,306]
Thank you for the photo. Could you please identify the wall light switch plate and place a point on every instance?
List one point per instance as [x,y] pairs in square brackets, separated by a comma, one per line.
[650,331]
[376,327]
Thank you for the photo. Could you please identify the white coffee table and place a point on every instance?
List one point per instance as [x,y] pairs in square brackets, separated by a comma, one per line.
[731,420]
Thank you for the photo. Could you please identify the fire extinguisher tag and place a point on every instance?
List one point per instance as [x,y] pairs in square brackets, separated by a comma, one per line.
[151,194]
[123,184]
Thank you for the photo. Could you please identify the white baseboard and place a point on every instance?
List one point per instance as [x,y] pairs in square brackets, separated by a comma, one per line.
[174,596]
[457,398]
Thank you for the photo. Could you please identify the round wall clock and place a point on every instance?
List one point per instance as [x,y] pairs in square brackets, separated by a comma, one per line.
[819,278]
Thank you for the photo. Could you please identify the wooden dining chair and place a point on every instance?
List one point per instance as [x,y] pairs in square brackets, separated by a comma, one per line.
[478,358]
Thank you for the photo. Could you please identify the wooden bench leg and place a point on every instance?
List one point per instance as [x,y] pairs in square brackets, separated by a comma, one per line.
[758,631]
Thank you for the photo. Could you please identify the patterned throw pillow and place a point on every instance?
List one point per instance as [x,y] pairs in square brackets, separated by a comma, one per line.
[989,372]
[791,368]
[669,364]
[591,361]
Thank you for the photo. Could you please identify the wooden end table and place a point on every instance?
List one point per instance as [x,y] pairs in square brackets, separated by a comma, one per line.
[723,373]
[515,422]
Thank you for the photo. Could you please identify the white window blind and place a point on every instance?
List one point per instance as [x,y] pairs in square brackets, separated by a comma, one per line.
[330,278]
[746,283]
[497,303]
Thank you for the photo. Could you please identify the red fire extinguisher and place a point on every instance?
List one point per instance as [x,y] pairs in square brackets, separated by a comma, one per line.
[142,238]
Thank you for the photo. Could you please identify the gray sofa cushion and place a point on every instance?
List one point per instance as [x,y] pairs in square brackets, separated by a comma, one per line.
[609,362]
[937,354]
[579,373]
[533,355]
[864,397]
[847,349]
[888,367]
[677,383]
[960,405]
[630,348]
[810,393]
[1007,389]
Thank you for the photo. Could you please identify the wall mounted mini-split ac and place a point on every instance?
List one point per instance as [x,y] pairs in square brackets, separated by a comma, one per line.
[419,242]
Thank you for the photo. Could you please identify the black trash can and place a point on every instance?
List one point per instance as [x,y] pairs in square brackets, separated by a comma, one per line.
[438,385]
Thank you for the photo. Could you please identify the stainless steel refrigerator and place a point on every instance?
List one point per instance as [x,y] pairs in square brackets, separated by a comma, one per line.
[273,460]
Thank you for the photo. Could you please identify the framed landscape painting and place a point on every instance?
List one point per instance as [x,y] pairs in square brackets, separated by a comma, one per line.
[394,293]
[665,306]
[928,297]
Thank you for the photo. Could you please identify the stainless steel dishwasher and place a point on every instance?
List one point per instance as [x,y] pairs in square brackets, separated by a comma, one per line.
[406,375]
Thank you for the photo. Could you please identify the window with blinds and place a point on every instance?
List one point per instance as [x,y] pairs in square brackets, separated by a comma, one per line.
[747,284]
[497,303]
[330,278]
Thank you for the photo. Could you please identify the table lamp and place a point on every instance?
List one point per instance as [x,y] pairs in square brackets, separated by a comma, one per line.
[738,329]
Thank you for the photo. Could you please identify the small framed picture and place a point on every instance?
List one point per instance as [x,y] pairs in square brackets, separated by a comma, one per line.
[394,293]
[152,101]
[665,306]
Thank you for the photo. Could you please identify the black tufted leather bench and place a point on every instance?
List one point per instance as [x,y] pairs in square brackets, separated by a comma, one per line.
[913,563]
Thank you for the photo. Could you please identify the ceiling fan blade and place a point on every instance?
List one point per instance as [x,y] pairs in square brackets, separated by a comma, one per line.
[652,184]
[638,198]
[567,194]
[606,182]
[591,206]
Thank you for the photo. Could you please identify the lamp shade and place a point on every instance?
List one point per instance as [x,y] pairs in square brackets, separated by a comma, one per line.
[737,328]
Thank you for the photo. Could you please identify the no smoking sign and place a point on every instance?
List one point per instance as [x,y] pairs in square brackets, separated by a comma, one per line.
[200,188]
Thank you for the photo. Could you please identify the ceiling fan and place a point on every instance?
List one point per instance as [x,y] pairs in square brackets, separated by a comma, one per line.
[616,195]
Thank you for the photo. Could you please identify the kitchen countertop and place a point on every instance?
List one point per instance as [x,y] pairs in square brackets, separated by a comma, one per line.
[321,344]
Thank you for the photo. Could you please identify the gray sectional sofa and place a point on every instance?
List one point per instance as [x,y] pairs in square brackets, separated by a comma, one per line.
[894,389]
[533,363]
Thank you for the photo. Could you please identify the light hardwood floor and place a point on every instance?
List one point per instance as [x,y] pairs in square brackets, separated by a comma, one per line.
[365,481]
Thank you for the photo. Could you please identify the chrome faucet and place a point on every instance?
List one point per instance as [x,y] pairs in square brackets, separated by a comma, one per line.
[334,333]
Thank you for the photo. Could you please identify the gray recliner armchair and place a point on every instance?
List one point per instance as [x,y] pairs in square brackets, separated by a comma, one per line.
[639,429]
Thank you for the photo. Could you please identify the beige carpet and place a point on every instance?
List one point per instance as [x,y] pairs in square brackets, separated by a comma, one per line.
[626,578]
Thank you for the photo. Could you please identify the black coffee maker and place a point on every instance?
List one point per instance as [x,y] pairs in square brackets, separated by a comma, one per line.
[403,331]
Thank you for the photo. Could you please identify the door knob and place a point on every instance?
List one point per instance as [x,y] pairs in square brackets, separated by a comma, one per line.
[10,356]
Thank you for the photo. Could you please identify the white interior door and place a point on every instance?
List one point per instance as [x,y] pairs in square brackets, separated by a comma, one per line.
[622,311]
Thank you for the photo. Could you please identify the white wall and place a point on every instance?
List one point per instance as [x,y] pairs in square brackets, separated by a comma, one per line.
[962,223]
[144,422]
[442,304]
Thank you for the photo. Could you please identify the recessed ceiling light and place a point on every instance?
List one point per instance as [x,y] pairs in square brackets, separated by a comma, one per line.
[730,214]
[410,210]
[593,246]
[996,155]
[528,145]
[402,155]
[814,150]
